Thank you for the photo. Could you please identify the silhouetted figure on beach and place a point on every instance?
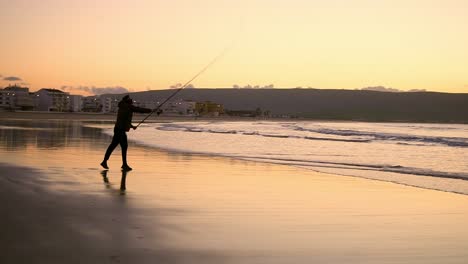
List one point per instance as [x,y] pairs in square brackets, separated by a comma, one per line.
[123,125]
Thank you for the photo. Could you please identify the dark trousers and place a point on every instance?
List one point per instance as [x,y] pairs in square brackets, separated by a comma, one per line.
[120,137]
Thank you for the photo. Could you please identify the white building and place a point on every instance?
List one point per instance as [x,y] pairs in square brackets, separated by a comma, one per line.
[6,100]
[52,100]
[76,103]
[146,104]
[91,104]
[109,103]
[16,98]
[179,108]
[102,103]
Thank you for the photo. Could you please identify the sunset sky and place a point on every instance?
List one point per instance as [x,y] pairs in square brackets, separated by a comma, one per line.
[151,44]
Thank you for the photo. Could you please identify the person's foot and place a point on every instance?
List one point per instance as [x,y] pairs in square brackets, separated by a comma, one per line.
[104,165]
[126,167]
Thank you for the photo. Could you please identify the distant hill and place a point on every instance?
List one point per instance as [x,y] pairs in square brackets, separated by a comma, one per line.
[333,104]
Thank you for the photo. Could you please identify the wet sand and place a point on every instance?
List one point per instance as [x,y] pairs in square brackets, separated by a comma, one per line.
[177,208]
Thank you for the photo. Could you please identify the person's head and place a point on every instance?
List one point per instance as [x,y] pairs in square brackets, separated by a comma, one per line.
[127,99]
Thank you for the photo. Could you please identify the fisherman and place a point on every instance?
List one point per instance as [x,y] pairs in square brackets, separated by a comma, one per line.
[123,125]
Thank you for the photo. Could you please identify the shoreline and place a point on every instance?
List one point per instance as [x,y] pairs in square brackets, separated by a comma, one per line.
[12,115]
[422,181]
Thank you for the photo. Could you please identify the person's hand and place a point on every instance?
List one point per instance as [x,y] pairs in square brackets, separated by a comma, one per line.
[159,112]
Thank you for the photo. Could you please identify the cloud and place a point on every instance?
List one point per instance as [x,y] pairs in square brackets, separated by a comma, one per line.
[248,86]
[416,90]
[381,89]
[96,90]
[179,85]
[12,78]
[391,90]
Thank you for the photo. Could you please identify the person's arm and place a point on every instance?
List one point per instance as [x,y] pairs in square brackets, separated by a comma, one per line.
[140,109]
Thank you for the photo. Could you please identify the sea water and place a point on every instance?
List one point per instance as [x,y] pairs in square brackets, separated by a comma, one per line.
[431,156]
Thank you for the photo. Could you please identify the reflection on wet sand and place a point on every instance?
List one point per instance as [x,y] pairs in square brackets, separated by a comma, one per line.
[123,181]
[45,134]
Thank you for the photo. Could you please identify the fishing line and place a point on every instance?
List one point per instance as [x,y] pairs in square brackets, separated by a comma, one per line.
[187,83]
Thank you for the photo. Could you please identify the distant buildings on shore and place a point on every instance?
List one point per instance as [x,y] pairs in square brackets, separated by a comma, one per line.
[17,98]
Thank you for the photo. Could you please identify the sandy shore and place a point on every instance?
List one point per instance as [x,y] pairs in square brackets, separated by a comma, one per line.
[177,208]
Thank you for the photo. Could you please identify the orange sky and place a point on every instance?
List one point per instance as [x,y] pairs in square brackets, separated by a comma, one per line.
[148,44]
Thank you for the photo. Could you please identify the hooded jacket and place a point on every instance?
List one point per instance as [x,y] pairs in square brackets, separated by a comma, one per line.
[125,114]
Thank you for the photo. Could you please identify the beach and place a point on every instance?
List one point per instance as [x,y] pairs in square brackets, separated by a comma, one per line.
[61,207]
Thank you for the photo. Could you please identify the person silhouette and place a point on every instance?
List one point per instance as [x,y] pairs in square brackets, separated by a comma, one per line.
[122,126]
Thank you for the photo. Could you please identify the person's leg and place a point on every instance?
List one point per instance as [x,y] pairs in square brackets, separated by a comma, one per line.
[115,141]
[124,146]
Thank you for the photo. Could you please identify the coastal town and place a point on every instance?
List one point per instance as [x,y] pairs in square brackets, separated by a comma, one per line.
[17,98]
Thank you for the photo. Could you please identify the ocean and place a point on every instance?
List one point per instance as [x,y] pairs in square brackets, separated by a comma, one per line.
[432,156]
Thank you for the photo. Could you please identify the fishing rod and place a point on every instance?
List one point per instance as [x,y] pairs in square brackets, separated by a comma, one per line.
[183,86]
